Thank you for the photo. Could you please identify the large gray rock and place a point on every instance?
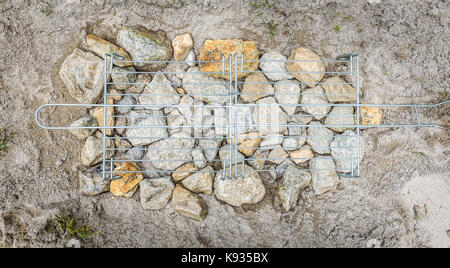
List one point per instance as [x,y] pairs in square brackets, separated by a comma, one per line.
[156,193]
[344,149]
[91,181]
[273,64]
[201,86]
[83,133]
[145,45]
[287,93]
[82,73]
[269,117]
[239,190]
[123,77]
[135,153]
[258,159]
[341,115]
[92,151]
[297,137]
[168,154]
[200,181]
[188,204]
[324,176]
[224,155]
[220,121]
[128,102]
[319,137]
[210,145]
[291,185]
[159,92]
[314,102]
[142,135]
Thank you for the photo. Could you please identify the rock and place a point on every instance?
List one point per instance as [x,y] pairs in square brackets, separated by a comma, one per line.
[129,177]
[341,115]
[98,114]
[213,50]
[301,155]
[183,171]
[162,92]
[180,90]
[243,117]
[135,153]
[210,145]
[273,64]
[291,185]
[268,117]
[201,181]
[141,82]
[182,44]
[121,121]
[123,77]
[91,181]
[277,155]
[220,122]
[271,140]
[131,193]
[247,143]
[102,47]
[190,59]
[281,168]
[168,154]
[143,136]
[115,94]
[324,176]
[82,73]
[127,101]
[370,115]
[287,93]
[202,87]
[319,137]
[297,137]
[83,122]
[344,149]
[92,152]
[313,96]
[308,69]
[177,123]
[239,190]
[145,45]
[73,243]
[188,204]
[156,193]
[335,85]
[121,144]
[255,87]
[224,155]
[199,158]
[301,118]
[258,159]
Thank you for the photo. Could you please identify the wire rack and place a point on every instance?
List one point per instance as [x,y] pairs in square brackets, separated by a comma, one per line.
[209,121]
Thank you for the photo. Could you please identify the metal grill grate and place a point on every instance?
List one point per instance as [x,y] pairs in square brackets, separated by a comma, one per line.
[201,124]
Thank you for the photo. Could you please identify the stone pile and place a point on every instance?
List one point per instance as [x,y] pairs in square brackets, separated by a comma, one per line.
[187,168]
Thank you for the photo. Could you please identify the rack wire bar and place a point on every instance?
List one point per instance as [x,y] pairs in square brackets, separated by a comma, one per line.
[208,122]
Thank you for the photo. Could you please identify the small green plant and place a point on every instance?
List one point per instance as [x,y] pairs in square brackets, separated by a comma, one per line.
[5,139]
[337,28]
[67,226]
[346,18]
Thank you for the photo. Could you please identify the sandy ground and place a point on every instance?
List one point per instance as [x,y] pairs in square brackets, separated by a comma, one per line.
[401,199]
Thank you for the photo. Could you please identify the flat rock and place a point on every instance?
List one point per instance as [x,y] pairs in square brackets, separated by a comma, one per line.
[344,92]
[205,88]
[92,151]
[277,155]
[182,44]
[98,114]
[273,64]
[239,191]
[268,117]
[324,176]
[255,87]
[160,92]
[83,133]
[141,135]
[341,115]
[248,142]
[129,177]
[169,154]
[344,149]
[156,193]
[287,93]
[102,47]
[291,185]
[184,171]
[301,155]
[370,115]
[91,181]
[319,137]
[188,204]
[201,181]
[82,73]
[145,45]
[308,69]
[127,103]
[271,140]
[212,50]
[314,102]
